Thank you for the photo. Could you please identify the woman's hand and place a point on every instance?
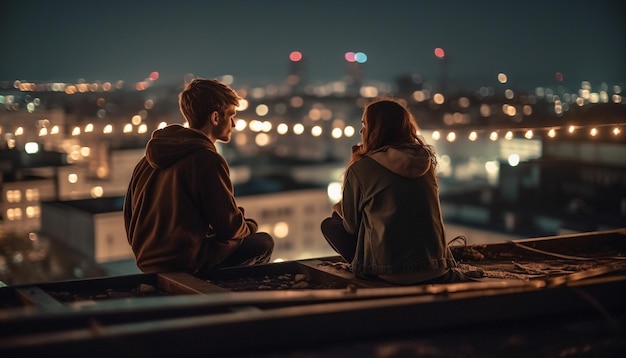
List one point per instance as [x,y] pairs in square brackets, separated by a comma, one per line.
[337,209]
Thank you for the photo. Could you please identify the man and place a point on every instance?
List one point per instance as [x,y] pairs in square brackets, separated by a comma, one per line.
[180,213]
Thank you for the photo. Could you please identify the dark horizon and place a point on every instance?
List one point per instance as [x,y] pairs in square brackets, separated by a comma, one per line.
[70,40]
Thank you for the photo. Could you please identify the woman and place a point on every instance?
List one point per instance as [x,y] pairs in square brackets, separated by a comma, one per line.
[388,224]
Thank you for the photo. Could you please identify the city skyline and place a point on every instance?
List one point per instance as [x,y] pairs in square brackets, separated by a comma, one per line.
[540,44]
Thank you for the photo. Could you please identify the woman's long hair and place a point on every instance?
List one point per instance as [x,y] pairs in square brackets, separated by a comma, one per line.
[388,122]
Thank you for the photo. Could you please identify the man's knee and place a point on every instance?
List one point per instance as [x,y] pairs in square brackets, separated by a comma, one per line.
[265,241]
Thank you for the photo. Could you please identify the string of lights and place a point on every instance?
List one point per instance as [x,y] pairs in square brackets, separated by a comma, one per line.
[613,130]
[551,132]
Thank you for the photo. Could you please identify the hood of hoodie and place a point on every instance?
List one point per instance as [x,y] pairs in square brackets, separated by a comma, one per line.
[409,160]
[174,142]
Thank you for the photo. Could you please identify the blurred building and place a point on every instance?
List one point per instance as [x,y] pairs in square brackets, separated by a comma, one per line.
[527,164]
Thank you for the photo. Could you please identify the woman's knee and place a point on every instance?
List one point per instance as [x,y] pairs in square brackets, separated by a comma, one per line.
[329,224]
[324,224]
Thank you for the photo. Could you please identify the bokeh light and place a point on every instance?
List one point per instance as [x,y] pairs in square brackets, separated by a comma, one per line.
[359,57]
[295,56]
[439,53]
[502,78]
[559,76]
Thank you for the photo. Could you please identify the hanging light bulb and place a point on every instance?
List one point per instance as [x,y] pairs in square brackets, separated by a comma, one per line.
[451,137]
[528,134]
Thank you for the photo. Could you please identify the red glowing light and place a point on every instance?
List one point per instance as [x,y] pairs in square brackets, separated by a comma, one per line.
[295,56]
[350,56]
[559,76]
[439,53]
[154,76]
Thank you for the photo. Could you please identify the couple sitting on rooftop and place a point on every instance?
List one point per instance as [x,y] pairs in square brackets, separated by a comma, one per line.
[181,214]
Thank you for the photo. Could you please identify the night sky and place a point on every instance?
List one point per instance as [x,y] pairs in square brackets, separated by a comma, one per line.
[113,40]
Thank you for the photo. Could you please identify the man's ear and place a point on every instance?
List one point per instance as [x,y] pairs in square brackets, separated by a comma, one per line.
[215,117]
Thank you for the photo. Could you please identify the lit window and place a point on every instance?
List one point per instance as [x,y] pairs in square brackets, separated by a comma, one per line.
[32,194]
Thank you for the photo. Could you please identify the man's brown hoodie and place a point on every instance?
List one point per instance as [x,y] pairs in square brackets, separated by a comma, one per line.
[180,213]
